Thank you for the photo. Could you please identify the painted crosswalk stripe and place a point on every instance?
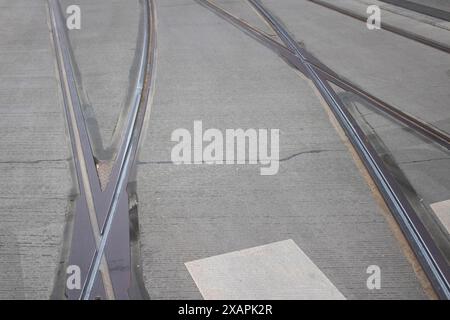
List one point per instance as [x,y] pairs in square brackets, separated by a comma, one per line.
[279,270]
[442,210]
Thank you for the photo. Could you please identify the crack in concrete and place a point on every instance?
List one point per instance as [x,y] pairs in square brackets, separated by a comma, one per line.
[33,161]
[313,151]
[425,160]
[309,152]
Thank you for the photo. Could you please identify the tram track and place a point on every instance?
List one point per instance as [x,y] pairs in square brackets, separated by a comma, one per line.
[421,8]
[386,26]
[100,242]
[429,255]
[420,126]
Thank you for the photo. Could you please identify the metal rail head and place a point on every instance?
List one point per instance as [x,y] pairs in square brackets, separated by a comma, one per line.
[425,248]
[402,32]
[128,149]
[93,203]
[88,183]
[289,55]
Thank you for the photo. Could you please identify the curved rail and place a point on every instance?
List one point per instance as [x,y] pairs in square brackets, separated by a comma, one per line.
[388,27]
[101,218]
[426,250]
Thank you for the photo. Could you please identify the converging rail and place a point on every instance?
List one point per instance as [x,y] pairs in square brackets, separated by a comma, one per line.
[100,243]
[431,132]
[321,76]
[404,33]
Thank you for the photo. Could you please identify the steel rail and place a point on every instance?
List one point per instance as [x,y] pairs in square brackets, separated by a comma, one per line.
[424,9]
[128,149]
[388,27]
[104,212]
[434,134]
[426,250]
[88,183]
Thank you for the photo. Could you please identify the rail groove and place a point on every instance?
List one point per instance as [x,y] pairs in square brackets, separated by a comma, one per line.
[388,27]
[100,243]
[421,241]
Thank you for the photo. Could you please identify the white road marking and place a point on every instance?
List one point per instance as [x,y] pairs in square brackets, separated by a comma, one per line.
[280,270]
[442,210]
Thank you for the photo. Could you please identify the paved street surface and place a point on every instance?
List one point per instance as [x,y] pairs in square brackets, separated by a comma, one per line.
[313,230]
[36,182]
[318,198]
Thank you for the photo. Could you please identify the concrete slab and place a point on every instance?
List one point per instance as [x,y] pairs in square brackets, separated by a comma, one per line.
[442,210]
[442,5]
[246,12]
[104,50]
[36,184]
[424,163]
[279,270]
[407,20]
[421,166]
[409,75]
[206,70]
[318,199]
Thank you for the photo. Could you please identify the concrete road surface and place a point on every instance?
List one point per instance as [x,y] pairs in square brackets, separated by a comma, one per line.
[317,227]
